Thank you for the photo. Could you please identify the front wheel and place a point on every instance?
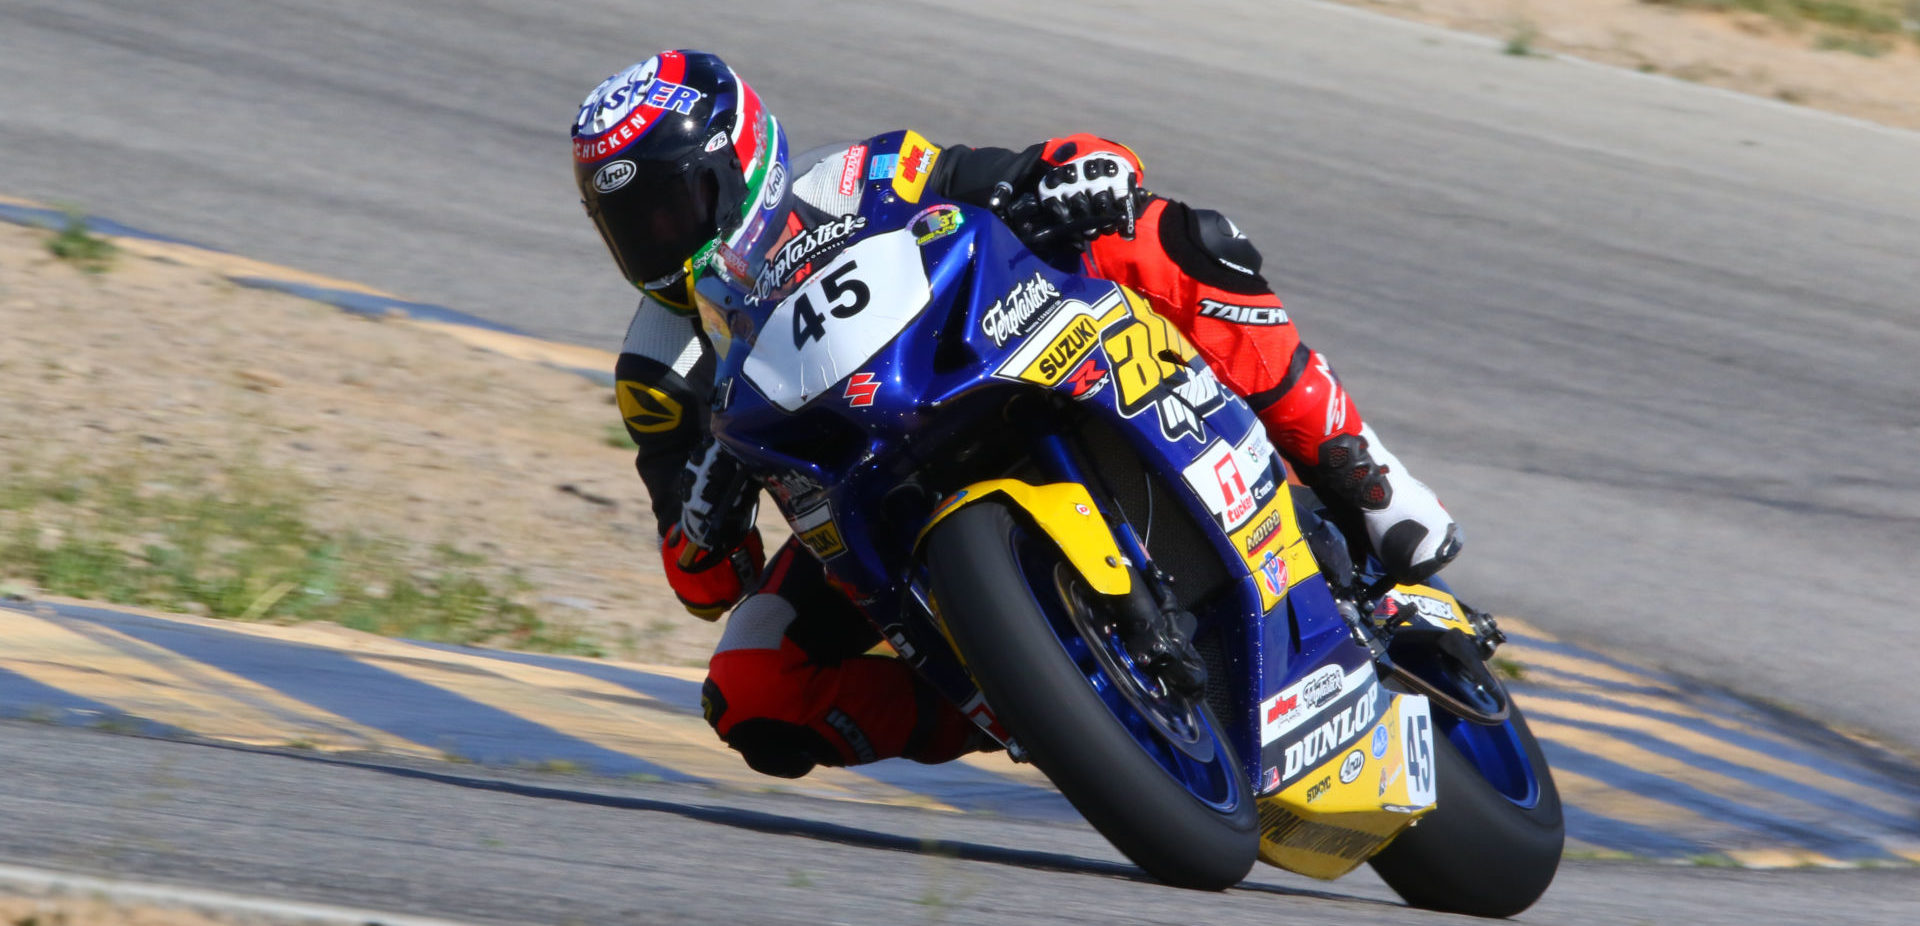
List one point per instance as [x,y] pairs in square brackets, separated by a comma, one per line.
[1151,771]
[1492,842]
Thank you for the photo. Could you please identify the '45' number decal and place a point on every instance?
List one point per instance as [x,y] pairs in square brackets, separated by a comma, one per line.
[805,346]
[808,323]
[1417,739]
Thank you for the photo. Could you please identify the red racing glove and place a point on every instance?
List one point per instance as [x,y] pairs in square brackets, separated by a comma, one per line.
[712,581]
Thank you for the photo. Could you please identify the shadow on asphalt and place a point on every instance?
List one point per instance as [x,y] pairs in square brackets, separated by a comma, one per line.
[777,824]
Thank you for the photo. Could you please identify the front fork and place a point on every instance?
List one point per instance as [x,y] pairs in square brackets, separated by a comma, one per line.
[1157,631]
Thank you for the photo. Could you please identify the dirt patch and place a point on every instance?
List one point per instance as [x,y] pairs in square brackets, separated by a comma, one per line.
[64,911]
[400,432]
[1857,71]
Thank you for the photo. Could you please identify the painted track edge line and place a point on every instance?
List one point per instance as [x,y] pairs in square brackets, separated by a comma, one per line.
[79,886]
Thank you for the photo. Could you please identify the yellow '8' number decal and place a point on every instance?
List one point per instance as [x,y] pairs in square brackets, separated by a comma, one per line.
[1140,349]
[1133,370]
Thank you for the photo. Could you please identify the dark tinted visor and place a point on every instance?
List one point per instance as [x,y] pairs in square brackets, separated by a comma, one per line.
[657,219]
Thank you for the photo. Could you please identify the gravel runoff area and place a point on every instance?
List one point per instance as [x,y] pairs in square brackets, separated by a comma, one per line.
[1790,57]
[400,432]
[87,911]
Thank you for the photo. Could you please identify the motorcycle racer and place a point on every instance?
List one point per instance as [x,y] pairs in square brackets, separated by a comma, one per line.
[686,174]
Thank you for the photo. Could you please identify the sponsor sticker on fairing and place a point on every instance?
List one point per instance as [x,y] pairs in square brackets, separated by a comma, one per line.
[1351,766]
[1050,338]
[1263,531]
[850,169]
[1274,576]
[1217,478]
[1319,788]
[1433,610]
[794,489]
[1074,343]
[1022,309]
[916,165]
[817,529]
[935,222]
[1389,773]
[804,248]
[1307,698]
[860,390]
[1310,750]
[1088,378]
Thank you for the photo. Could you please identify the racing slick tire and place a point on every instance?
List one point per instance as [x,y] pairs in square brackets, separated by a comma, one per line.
[982,559]
[1479,852]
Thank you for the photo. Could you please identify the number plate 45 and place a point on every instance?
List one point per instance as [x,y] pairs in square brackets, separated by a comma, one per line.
[835,323]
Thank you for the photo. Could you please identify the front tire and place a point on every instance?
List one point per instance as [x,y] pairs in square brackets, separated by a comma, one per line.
[1481,852]
[1009,628]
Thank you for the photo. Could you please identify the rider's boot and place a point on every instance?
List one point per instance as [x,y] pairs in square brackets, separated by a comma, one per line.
[1409,529]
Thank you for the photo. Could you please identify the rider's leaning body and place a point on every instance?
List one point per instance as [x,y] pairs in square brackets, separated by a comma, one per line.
[791,684]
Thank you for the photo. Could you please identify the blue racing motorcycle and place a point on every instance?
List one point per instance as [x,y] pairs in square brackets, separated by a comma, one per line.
[1050,506]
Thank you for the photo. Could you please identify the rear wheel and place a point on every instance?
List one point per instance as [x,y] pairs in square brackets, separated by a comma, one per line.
[1492,843]
[1149,769]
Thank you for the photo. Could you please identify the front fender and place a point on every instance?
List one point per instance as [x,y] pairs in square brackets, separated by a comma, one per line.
[1065,512]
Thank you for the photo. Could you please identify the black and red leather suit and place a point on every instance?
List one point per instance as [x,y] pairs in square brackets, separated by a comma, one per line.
[791,684]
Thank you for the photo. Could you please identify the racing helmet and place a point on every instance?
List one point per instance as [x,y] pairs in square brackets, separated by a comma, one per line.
[679,166]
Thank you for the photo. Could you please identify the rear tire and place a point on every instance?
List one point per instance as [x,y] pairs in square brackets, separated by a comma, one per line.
[1046,701]
[1478,852]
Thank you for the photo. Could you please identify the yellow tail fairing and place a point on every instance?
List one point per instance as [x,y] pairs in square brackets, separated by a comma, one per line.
[1065,512]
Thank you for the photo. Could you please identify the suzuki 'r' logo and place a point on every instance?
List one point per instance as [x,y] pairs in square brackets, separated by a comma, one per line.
[860,390]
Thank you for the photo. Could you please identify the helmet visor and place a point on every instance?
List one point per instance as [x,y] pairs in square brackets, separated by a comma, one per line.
[657,219]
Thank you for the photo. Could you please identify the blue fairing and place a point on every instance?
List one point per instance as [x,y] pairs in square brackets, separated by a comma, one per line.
[890,377]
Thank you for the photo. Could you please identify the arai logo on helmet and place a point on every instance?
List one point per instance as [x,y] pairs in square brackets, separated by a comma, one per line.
[613,176]
[776,186]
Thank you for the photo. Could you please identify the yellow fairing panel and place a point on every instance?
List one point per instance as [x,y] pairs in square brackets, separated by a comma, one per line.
[1432,605]
[1274,550]
[1064,510]
[1337,816]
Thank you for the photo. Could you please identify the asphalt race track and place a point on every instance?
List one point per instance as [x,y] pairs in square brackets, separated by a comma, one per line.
[1652,342]
[490,846]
